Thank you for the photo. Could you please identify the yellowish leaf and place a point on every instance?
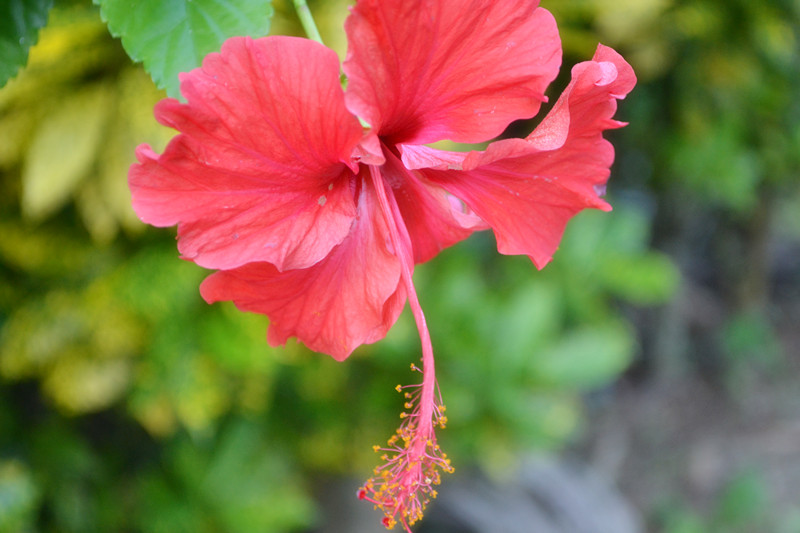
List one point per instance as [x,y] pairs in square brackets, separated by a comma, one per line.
[154,412]
[81,384]
[63,151]
[626,20]
[15,128]
[96,213]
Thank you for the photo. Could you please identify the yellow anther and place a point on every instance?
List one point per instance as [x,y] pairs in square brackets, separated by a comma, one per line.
[376,448]
[399,388]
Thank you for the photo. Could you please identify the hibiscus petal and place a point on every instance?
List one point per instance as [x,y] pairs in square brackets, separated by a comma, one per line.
[528,189]
[424,70]
[259,171]
[434,218]
[351,297]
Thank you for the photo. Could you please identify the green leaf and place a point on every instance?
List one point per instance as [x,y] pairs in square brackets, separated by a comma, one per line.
[248,489]
[521,323]
[18,497]
[646,279]
[20,21]
[719,165]
[743,503]
[172,36]
[749,338]
[588,357]
[237,481]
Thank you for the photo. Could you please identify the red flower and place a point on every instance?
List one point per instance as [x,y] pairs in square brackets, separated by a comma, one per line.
[318,222]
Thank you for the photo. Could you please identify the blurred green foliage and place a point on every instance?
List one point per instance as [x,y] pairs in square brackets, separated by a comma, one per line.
[128,404]
[743,506]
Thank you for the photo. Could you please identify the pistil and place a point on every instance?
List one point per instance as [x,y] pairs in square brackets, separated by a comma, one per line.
[403,485]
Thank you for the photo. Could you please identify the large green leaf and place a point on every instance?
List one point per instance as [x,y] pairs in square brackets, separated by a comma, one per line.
[20,21]
[588,357]
[172,36]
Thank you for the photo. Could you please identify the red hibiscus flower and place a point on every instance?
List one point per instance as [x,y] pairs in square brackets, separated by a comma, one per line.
[317,221]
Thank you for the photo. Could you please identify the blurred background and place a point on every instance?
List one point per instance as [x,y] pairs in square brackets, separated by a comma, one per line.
[647,380]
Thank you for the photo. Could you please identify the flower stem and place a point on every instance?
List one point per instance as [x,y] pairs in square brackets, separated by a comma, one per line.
[304,14]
